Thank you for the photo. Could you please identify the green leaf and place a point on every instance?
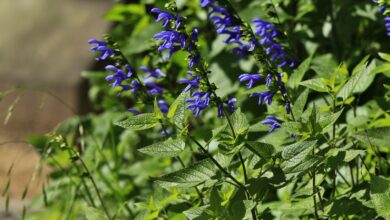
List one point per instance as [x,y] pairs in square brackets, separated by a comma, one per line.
[326,121]
[380,195]
[296,158]
[157,110]
[239,122]
[197,213]
[295,149]
[384,56]
[177,109]
[359,81]
[317,84]
[352,154]
[380,69]
[192,176]
[94,214]
[305,163]
[300,102]
[375,136]
[261,149]
[293,127]
[297,76]
[139,122]
[168,148]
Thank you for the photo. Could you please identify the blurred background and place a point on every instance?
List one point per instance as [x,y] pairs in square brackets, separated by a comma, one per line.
[43,49]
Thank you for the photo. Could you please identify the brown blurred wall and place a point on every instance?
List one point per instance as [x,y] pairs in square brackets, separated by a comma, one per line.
[43,49]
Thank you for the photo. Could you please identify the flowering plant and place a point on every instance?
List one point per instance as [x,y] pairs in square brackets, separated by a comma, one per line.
[210,113]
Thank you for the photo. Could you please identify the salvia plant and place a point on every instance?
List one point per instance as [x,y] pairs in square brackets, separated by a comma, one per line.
[218,109]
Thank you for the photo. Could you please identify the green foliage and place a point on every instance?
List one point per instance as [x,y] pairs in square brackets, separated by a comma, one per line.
[169,148]
[139,122]
[191,176]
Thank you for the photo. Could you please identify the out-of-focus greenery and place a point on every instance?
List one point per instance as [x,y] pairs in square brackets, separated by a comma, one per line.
[341,101]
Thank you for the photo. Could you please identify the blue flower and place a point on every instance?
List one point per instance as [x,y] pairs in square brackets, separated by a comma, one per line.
[118,76]
[172,40]
[222,23]
[134,111]
[230,103]
[234,34]
[192,84]
[265,29]
[252,78]
[268,33]
[273,122]
[197,102]
[155,89]
[136,85]
[155,73]
[178,21]
[219,109]
[244,49]
[206,3]
[387,25]
[382,9]
[166,132]
[194,59]
[163,16]
[194,35]
[163,105]
[288,107]
[101,47]
[264,97]
[268,79]
[218,9]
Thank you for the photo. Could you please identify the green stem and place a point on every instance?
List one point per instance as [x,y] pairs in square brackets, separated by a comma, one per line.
[314,194]
[95,187]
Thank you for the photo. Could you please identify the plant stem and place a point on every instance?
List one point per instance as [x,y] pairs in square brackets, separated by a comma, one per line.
[243,167]
[314,193]
[95,187]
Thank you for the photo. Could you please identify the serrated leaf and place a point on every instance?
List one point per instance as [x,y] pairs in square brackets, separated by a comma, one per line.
[139,122]
[177,109]
[192,176]
[300,102]
[317,84]
[375,136]
[326,121]
[359,81]
[168,148]
[352,154]
[94,214]
[261,149]
[295,149]
[380,195]
[293,127]
[197,213]
[239,122]
[297,76]
[296,158]
[300,164]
